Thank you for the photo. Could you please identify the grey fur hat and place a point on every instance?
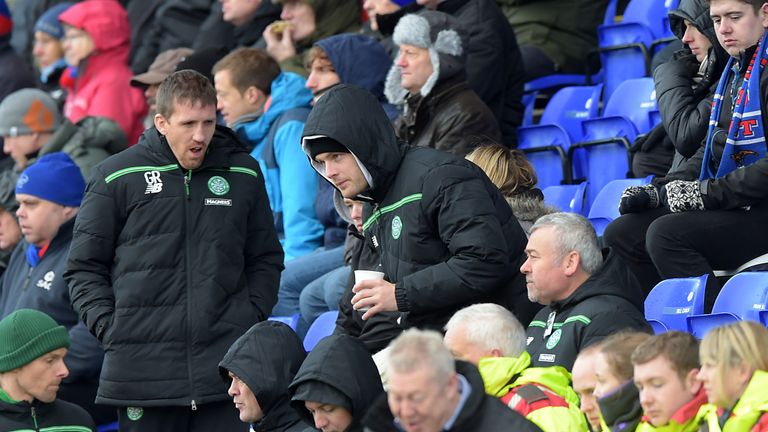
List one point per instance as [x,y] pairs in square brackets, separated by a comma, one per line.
[442,35]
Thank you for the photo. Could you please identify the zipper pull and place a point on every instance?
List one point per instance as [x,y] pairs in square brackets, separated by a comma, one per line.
[187,180]
[34,418]
[194,405]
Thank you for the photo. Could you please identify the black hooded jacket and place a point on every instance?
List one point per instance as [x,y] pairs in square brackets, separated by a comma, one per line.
[446,235]
[339,365]
[168,267]
[685,106]
[610,300]
[480,413]
[739,188]
[266,358]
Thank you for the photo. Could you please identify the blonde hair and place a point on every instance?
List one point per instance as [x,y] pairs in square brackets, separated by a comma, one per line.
[731,345]
[508,169]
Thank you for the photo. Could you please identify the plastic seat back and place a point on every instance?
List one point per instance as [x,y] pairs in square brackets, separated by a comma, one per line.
[568,198]
[635,100]
[545,147]
[620,65]
[108,427]
[743,297]
[570,106]
[610,12]
[529,102]
[323,326]
[605,208]
[672,300]
[651,13]
[628,112]
[292,320]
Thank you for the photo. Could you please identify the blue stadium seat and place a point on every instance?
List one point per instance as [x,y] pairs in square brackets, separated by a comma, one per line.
[545,147]
[672,300]
[323,326]
[623,61]
[743,297]
[605,208]
[626,47]
[570,106]
[764,317]
[529,102]
[567,198]
[109,427]
[603,154]
[561,80]
[545,144]
[292,320]
[653,14]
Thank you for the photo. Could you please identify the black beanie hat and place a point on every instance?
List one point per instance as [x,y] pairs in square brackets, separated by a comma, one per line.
[319,145]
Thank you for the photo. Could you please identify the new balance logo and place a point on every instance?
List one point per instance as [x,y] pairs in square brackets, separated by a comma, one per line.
[154,183]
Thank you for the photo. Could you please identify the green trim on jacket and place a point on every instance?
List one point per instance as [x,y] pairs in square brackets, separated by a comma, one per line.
[5,397]
[392,207]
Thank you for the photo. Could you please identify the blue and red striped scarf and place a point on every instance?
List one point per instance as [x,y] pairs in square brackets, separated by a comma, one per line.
[746,137]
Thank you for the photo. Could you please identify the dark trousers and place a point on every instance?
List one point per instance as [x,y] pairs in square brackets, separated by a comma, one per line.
[656,162]
[212,417]
[657,244]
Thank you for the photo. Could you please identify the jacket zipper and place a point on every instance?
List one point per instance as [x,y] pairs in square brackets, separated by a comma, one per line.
[380,244]
[188,237]
[187,180]
[26,280]
[34,419]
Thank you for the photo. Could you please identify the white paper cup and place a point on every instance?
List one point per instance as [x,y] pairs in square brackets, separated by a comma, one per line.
[361,275]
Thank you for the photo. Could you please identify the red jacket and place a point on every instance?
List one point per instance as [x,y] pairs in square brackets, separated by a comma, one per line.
[102,87]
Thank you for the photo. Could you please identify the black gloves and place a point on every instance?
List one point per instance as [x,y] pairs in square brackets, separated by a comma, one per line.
[635,199]
[681,196]
[677,196]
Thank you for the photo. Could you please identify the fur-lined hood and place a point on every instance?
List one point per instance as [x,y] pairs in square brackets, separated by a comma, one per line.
[445,39]
[528,206]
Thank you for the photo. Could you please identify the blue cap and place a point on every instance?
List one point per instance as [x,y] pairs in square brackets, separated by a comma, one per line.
[49,21]
[54,177]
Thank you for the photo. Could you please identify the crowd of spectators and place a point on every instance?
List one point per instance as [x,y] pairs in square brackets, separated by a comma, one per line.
[177,172]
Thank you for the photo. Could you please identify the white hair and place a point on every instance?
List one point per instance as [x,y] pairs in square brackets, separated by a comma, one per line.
[490,326]
[415,349]
[574,234]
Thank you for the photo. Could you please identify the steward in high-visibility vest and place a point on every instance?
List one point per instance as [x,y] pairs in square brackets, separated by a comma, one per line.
[687,419]
[750,414]
[543,395]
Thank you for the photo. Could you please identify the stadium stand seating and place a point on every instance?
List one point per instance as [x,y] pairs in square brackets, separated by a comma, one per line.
[605,207]
[744,296]
[671,301]
[603,154]
[546,143]
[626,47]
[292,320]
[567,198]
[323,326]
